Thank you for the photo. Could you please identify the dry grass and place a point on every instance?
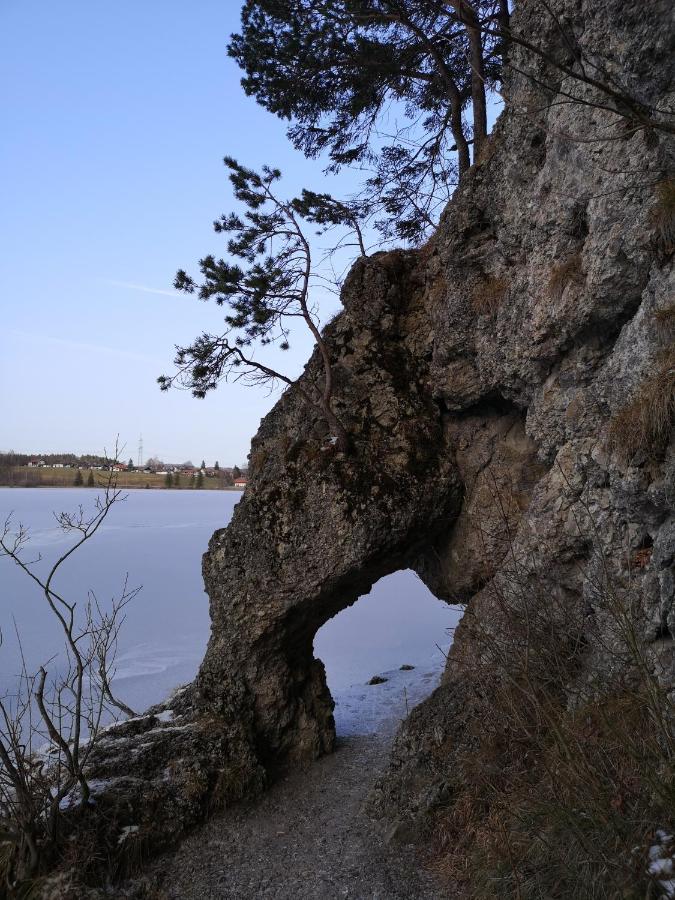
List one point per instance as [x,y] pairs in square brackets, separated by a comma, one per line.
[488,295]
[665,322]
[641,558]
[645,424]
[567,272]
[552,805]
[663,218]
[560,783]
[232,784]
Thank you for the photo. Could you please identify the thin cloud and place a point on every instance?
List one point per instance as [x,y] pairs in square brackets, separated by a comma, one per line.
[142,287]
[80,345]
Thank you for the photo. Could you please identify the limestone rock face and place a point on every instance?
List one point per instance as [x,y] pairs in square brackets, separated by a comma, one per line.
[477,378]
[562,222]
[316,527]
[487,364]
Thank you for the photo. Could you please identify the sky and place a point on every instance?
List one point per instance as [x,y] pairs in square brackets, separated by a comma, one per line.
[116,118]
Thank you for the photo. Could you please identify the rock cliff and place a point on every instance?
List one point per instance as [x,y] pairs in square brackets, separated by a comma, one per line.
[497,384]
[497,354]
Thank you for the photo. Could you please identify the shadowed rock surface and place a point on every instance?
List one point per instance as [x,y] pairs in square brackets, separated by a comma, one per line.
[478,378]
[316,527]
[451,402]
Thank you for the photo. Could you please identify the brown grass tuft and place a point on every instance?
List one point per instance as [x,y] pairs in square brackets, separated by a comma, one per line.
[645,424]
[663,218]
[641,558]
[564,273]
[558,785]
[488,295]
[665,322]
[555,811]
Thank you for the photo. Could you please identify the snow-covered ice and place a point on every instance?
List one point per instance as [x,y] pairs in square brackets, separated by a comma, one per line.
[158,537]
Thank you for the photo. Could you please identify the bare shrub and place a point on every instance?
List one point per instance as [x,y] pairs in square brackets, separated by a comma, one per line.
[488,295]
[50,721]
[645,424]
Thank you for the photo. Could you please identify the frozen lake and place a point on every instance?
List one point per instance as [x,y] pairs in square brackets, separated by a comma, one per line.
[158,538]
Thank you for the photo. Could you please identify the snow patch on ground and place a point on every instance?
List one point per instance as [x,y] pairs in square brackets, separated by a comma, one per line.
[373,708]
[662,863]
[127,832]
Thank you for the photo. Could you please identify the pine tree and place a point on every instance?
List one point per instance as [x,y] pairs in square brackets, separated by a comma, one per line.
[334,69]
[273,285]
[199,481]
[203,465]
[236,472]
[217,467]
[130,465]
[78,479]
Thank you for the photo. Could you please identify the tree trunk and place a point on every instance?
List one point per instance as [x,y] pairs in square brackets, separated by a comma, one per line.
[504,15]
[463,156]
[343,442]
[480,130]
[504,21]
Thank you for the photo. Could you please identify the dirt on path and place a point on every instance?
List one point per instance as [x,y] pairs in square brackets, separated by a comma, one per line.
[308,838]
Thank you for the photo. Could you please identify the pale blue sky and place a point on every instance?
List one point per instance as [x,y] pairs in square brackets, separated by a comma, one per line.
[115,119]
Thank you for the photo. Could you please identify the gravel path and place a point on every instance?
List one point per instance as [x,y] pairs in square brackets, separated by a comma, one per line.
[308,838]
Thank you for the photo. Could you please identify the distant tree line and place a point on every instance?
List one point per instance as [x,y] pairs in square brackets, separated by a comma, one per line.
[15,471]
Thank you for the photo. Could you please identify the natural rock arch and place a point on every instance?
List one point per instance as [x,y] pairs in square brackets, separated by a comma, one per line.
[385,654]
[313,532]
[449,400]
[316,529]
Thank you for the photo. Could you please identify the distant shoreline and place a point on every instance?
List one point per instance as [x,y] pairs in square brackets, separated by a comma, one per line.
[66,477]
[123,487]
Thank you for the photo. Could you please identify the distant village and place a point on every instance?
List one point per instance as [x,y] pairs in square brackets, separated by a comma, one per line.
[156,469]
[49,469]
